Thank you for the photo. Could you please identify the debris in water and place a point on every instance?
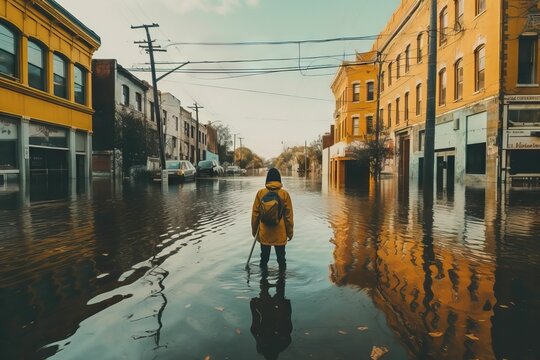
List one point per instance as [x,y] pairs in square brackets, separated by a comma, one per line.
[436,334]
[219,308]
[188,306]
[342,332]
[102,275]
[472,337]
[362,328]
[378,352]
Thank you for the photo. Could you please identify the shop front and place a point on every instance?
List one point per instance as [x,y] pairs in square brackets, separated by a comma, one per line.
[521,140]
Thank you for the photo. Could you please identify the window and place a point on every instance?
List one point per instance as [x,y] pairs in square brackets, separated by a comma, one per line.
[418,99]
[480,6]
[138,101]
[8,143]
[389,116]
[175,122]
[390,74]
[397,111]
[459,12]
[370,91]
[527,60]
[479,67]
[356,125]
[407,58]
[442,87]
[381,84]
[192,131]
[443,25]
[79,83]
[152,112]
[421,139]
[369,124]
[125,95]
[458,80]
[398,65]
[8,52]
[476,159]
[36,65]
[60,76]
[406,105]
[186,129]
[356,92]
[381,116]
[419,48]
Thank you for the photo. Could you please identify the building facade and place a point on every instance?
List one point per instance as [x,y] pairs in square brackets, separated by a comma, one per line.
[45,91]
[487,93]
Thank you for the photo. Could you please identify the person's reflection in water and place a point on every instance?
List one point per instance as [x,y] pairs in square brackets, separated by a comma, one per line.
[271,324]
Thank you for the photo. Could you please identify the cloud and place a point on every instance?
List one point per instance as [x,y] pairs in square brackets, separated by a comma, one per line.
[221,7]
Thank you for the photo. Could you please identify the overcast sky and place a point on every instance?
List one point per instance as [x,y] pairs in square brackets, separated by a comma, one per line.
[269,111]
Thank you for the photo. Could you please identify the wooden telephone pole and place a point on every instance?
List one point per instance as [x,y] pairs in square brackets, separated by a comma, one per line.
[196,107]
[150,49]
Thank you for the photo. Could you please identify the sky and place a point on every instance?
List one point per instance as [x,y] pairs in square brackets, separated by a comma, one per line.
[270,111]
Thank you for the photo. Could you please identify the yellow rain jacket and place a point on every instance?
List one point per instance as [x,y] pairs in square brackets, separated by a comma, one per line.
[279,233]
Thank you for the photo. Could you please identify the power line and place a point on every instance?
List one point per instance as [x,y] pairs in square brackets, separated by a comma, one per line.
[284,42]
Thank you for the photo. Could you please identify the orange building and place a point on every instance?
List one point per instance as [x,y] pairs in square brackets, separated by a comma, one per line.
[45,91]
[487,97]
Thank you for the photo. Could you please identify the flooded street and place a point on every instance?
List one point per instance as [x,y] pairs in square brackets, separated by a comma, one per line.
[133,272]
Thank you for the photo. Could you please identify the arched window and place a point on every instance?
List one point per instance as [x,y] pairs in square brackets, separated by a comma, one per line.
[407,58]
[8,51]
[36,65]
[442,87]
[479,68]
[418,99]
[60,76]
[443,25]
[79,82]
[458,80]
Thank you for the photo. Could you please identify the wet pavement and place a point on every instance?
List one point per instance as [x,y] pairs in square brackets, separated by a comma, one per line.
[103,271]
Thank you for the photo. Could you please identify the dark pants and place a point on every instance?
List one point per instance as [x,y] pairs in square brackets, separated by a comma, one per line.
[280,254]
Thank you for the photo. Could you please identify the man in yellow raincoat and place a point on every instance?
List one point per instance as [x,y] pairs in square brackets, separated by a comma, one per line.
[273,234]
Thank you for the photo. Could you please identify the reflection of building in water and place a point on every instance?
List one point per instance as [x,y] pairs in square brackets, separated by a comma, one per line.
[442,287]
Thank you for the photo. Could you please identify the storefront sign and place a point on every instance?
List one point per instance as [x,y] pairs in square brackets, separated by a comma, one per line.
[522,140]
[522,98]
[45,135]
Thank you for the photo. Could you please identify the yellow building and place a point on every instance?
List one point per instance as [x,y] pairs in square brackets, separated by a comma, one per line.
[354,88]
[487,96]
[45,91]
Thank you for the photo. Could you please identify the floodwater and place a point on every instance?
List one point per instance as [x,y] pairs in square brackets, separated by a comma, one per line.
[108,272]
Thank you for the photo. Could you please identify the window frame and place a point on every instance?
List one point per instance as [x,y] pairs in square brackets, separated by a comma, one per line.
[418,109]
[370,85]
[355,125]
[398,63]
[458,79]
[16,55]
[389,120]
[398,100]
[532,63]
[390,73]
[479,7]
[356,92]
[369,124]
[84,85]
[479,74]
[407,58]
[406,106]
[459,11]
[442,87]
[58,56]
[44,51]
[419,48]
[125,95]
[443,25]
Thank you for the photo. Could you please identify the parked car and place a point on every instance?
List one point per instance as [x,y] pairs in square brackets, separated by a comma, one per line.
[209,168]
[233,170]
[180,170]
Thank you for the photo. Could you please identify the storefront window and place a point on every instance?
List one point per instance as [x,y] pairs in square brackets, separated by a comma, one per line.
[47,136]
[8,144]
[523,117]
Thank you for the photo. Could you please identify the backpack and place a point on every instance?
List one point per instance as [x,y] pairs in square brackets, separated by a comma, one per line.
[271,208]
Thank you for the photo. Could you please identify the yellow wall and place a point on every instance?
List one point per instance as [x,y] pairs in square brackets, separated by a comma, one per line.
[31,19]
[476,30]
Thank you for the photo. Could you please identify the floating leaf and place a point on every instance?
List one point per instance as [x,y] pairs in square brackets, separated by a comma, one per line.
[219,308]
[102,275]
[362,328]
[472,337]
[105,254]
[237,331]
[378,352]
[436,334]
[504,306]
[188,306]
[342,332]
[307,333]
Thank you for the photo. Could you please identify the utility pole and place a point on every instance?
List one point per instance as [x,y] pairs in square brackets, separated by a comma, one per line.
[196,107]
[305,159]
[429,148]
[234,150]
[377,116]
[150,49]
[240,162]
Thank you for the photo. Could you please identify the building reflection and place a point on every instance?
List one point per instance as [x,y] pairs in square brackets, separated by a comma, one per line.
[437,274]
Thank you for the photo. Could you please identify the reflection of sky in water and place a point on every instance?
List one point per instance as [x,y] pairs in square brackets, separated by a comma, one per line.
[131,272]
